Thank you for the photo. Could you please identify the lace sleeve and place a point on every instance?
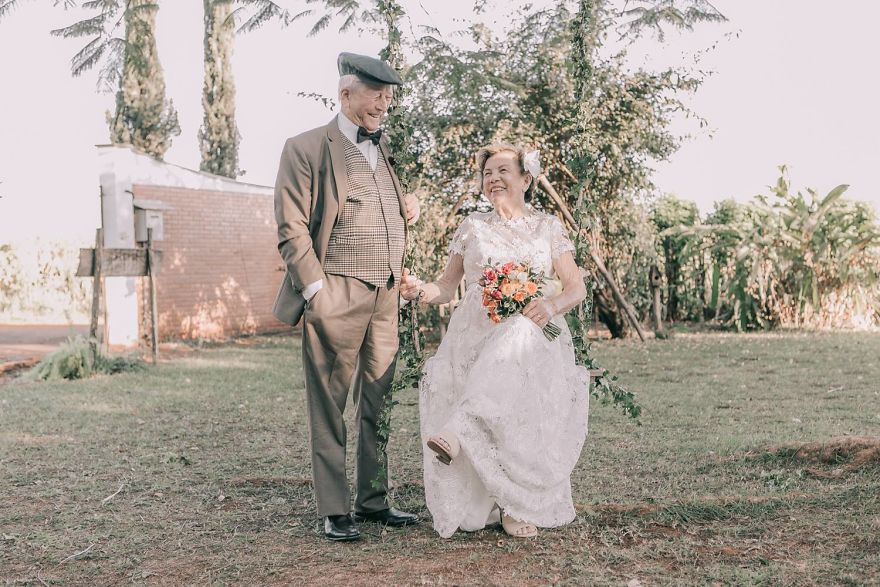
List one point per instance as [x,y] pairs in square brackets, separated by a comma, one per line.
[560,243]
[457,244]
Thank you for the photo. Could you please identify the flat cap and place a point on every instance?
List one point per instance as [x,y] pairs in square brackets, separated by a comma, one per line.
[368,69]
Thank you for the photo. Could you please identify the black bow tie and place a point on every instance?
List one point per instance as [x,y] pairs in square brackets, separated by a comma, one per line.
[365,135]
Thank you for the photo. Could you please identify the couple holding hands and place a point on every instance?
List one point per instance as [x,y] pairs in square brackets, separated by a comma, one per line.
[503,407]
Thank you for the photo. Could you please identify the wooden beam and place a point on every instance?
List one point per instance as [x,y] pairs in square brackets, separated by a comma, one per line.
[117,262]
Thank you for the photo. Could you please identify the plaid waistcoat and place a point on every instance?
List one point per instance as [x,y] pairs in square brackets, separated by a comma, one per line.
[368,240]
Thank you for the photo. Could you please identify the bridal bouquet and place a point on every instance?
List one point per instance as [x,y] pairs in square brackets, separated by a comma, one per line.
[509,288]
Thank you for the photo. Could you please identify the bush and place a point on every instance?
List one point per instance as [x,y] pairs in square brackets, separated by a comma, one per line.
[75,360]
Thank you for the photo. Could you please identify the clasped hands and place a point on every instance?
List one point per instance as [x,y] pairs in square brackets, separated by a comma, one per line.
[539,311]
[411,206]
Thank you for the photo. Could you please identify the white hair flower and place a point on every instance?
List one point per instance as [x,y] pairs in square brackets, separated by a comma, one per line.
[532,163]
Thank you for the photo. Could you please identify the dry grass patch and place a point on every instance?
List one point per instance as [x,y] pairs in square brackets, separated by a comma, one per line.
[846,453]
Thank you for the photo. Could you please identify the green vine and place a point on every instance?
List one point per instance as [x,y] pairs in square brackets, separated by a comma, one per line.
[400,127]
[586,33]
[411,341]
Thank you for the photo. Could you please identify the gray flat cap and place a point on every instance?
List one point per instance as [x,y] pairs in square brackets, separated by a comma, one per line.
[368,69]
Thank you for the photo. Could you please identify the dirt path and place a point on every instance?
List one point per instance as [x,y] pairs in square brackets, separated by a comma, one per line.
[24,343]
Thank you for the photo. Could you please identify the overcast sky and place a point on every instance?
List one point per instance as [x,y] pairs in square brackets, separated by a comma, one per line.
[795,82]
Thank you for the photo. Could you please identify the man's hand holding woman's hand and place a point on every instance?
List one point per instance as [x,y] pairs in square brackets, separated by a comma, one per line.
[410,286]
[411,205]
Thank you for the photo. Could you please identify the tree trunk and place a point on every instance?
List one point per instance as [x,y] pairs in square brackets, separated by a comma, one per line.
[219,137]
[671,283]
[610,314]
[143,117]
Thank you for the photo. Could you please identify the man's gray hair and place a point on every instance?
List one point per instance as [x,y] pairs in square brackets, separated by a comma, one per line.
[349,82]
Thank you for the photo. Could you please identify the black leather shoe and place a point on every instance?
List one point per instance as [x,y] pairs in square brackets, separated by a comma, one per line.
[340,528]
[389,517]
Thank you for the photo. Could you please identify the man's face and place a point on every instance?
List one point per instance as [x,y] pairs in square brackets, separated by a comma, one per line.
[366,104]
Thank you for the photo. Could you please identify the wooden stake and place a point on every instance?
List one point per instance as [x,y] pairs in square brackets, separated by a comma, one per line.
[154,313]
[654,280]
[97,283]
[594,255]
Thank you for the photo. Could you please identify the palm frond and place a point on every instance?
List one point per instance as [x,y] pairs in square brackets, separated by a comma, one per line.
[88,56]
[84,28]
[7,6]
[656,15]
[103,5]
[320,25]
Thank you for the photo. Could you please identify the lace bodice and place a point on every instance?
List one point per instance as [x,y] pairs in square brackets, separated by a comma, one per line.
[538,237]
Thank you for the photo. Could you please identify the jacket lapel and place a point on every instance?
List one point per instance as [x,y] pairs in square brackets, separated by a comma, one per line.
[337,160]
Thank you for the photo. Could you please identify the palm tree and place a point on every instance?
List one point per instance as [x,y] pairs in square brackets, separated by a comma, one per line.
[122,40]
[219,136]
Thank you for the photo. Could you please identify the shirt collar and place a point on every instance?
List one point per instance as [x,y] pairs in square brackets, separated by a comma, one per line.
[348,128]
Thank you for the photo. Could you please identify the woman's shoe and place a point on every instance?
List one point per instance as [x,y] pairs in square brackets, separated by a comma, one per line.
[445,445]
[517,529]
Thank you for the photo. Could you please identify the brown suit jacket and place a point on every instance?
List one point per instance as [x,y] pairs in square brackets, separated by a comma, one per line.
[310,191]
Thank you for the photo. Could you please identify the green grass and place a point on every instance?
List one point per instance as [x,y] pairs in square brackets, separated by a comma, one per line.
[210,450]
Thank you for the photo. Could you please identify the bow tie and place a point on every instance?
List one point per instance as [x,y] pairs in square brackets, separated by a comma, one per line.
[365,135]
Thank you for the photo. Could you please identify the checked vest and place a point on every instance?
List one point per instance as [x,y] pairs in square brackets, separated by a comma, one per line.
[368,240]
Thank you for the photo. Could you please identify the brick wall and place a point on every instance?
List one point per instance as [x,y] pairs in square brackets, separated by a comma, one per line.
[221,268]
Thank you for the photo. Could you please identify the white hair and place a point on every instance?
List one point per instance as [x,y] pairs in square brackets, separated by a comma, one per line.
[349,82]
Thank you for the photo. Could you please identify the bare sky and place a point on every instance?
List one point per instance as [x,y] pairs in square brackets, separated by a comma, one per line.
[795,82]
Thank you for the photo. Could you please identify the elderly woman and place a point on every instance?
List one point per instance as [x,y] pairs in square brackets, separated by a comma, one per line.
[503,408]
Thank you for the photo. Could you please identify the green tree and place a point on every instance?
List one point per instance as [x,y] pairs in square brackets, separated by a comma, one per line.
[793,259]
[219,137]
[122,39]
[622,126]
[144,118]
[670,211]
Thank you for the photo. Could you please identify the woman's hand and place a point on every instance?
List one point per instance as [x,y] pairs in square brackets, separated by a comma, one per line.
[410,286]
[539,311]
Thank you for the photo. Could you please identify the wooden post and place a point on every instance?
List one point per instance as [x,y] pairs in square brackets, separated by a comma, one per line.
[594,255]
[97,284]
[154,313]
[655,280]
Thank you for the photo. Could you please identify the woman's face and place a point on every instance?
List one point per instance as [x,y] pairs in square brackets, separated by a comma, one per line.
[503,183]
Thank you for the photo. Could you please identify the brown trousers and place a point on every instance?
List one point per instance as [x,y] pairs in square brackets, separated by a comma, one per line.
[349,337]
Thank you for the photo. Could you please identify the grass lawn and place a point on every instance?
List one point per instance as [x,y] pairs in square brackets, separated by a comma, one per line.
[198,472]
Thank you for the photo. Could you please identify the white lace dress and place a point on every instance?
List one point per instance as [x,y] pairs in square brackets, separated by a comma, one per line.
[517,402]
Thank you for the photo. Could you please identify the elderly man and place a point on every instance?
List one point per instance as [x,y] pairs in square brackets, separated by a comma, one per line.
[342,220]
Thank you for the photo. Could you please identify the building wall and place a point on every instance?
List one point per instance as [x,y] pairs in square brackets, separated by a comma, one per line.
[221,269]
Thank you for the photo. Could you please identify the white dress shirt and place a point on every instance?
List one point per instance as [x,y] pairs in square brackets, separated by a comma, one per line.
[371,153]
[350,130]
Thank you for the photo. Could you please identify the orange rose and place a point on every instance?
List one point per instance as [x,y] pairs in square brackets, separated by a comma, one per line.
[495,318]
[519,296]
[505,281]
[531,287]
[508,289]
[491,305]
